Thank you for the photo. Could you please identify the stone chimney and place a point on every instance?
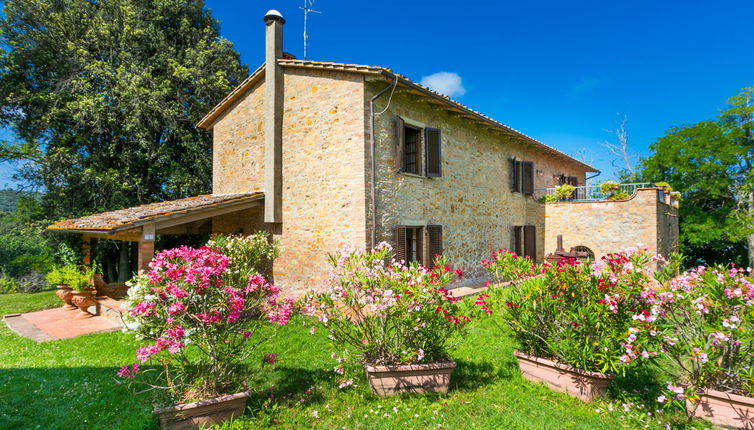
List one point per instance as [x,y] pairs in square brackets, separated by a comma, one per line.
[273,118]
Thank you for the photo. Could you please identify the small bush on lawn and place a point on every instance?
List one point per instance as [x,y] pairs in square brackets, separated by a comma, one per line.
[572,312]
[200,324]
[508,266]
[252,254]
[703,320]
[381,311]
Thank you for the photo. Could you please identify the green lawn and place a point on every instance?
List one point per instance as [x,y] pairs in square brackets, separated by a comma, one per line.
[70,384]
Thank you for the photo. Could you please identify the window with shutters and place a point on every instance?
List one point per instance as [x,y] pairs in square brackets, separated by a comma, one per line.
[417,243]
[522,176]
[418,149]
[525,241]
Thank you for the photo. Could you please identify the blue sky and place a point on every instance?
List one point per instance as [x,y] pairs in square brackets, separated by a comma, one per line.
[557,71]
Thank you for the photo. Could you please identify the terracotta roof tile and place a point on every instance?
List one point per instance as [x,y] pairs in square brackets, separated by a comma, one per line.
[131,217]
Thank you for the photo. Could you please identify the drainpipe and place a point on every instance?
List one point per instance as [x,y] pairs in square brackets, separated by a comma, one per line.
[372,185]
[593,176]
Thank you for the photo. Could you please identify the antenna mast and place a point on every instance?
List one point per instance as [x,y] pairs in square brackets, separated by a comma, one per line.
[307,10]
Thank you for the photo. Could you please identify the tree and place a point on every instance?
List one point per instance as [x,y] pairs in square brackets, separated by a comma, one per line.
[103,97]
[710,163]
[620,150]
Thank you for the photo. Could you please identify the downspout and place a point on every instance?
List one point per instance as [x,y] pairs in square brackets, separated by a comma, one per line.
[373,170]
[593,176]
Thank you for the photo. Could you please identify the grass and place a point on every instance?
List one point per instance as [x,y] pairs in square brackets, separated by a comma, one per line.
[25,302]
[70,384]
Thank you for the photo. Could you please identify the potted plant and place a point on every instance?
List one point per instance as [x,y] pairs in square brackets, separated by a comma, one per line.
[570,319]
[397,320]
[58,277]
[200,330]
[81,282]
[705,323]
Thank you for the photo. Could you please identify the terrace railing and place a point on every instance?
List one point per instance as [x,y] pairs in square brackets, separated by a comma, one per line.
[592,192]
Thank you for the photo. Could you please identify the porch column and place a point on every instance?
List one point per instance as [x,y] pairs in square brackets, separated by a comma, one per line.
[86,248]
[146,246]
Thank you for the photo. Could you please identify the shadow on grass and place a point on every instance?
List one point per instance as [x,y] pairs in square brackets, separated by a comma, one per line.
[291,385]
[73,397]
[470,375]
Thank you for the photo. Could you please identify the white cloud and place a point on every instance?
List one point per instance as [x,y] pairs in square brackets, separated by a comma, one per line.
[447,83]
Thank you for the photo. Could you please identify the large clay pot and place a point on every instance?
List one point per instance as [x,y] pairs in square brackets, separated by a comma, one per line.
[410,378]
[189,416]
[563,378]
[724,409]
[65,293]
[84,299]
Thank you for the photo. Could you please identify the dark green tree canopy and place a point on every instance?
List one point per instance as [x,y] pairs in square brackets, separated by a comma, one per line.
[103,97]
[710,163]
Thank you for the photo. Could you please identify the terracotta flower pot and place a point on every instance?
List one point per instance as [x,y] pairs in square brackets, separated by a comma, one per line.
[563,378]
[82,300]
[724,409]
[204,413]
[410,378]
[65,293]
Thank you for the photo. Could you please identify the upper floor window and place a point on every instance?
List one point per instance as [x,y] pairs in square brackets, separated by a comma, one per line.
[418,149]
[522,176]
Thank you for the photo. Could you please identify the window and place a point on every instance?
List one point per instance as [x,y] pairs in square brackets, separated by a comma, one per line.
[522,176]
[417,243]
[582,248]
[414,144]
[525,240]
[412,150]
[570,180]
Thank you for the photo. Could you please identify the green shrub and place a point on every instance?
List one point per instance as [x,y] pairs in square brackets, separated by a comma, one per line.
[8,285]
[564,191]
[56,276]
[609,187]
[250,255]
[621,195]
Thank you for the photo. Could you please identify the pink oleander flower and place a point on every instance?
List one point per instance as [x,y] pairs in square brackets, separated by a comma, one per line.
[129,372]
[270,358]
[176,308]
[143,309]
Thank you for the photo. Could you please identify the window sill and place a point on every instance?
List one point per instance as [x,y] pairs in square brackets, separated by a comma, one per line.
[412,175]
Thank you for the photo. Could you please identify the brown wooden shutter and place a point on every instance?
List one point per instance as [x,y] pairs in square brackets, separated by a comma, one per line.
[515,175]
[399,242]
[400,144]
[434,239]
[527,186]
[530,241]
[518,232]
[421,252]
[433,137]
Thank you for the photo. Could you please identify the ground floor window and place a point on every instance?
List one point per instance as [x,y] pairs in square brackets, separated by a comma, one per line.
[525,241]
[417,243]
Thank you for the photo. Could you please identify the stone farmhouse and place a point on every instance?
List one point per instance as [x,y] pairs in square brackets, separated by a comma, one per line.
[326,155]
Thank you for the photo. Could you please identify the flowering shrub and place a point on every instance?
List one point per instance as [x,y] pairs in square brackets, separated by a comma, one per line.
[508,266]
[199,326]
[388,312]
[573,312]
[702,319]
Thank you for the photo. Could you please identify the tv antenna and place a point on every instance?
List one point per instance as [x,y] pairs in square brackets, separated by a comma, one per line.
[307,10]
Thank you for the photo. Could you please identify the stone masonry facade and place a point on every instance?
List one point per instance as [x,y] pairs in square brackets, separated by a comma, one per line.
[472,200]
[646,218]
[324,200]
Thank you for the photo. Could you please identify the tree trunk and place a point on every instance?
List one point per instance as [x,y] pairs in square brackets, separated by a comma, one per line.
[124,268]
[751,250]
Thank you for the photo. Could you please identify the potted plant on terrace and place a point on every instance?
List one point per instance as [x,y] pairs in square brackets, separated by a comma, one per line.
[570,320]
[200,330]
[704,320]
[81,281]
[58,277]
[396,319]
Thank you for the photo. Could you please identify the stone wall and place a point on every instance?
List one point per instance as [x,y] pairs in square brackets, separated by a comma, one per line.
[606,226]
[324,197]
[472,200]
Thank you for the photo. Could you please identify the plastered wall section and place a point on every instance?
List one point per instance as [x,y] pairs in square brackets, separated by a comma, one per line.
[606,226]
[324,195]
[472,200]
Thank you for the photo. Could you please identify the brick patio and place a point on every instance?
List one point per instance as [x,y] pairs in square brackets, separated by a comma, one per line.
[56,324]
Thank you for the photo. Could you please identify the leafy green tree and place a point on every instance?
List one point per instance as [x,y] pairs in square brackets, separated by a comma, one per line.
[103,97]
[710,163]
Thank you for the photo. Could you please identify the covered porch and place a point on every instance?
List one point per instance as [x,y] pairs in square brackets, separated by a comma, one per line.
[201,215]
